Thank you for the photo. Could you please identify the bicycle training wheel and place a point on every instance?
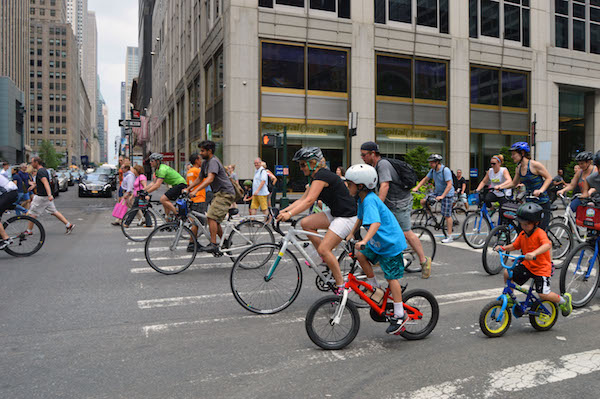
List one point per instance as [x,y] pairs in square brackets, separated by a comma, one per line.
[247,234]
[423,312]
[24,244]
[141,225]
[488,319]
[319,325]
[579,276]
[264,282]
[547,317]
[500,235]
[166,248]
[561,238]
[412,263]
[475,230]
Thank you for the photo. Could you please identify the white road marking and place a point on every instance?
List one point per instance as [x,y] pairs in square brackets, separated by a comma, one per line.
[208,266]
[178,301]
[512,379]
[463,245]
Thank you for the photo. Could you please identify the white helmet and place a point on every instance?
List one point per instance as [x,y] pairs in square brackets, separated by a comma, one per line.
[362,174]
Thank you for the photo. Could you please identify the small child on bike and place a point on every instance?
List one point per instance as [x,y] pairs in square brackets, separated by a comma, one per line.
[384,242]
[536,246]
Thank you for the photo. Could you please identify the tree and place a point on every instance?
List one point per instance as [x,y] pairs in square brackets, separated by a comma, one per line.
[417,158]
[51,158]
[508,162]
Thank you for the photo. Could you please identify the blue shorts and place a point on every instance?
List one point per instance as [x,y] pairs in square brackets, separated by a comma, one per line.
[23,197]
[392,266]
[120,192]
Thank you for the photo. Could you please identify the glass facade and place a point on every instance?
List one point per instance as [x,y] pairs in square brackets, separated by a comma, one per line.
[339,7]
[577,25]
[327,70]
[571,131]
[490,18]
[282,66]
[393,76]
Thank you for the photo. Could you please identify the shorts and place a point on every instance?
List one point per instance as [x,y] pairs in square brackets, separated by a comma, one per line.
[220,206]
[447,203]
[200,207]
[174,192]
[521,274]
[403,216]
[392,266]
[7,200]
[339,225]
[259,201]
[41,204]
[23,197]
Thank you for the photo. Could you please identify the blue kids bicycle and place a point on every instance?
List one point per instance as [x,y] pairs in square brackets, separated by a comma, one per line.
[478,224]
[496,316]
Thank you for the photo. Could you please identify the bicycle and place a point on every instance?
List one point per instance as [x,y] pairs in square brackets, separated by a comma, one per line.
[172,247]
[22,243]
[425,217]
[578,233]
[496,316]
[143,211]
[325,321]
[478,224]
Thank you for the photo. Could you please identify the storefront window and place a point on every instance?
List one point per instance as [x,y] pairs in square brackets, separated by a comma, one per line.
[393,76]
[327,70]
[282,66]
[514,89]
[398,141]
[430,80]
[484,86]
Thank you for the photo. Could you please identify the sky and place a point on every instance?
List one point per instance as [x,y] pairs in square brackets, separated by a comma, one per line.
[117,22]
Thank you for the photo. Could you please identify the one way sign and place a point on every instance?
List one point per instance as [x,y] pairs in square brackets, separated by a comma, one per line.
[130,123]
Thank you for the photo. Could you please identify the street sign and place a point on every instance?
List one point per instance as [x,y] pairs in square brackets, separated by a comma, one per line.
[278,170]
[474,172]
[130,123]
[352,123]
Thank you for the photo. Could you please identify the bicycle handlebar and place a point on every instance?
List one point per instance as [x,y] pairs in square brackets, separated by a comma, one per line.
[517,258]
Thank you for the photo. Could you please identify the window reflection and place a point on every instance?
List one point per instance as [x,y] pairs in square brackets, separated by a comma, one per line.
[579,35]
[427,13]
[490,18]
[282,66]
[400,10]
[484,86]
[562,32]
[514,89]
[430,80]
[393,76]
[327,70]
[326,5]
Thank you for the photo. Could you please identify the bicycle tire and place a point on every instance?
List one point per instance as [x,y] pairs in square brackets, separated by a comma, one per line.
[457,214]
[562,239]
[558,219]
[500,235]
[251,233]
[412,263]
[18,248]
[572,275]
[475,230]
[488,315]
[420,300]
[419,217]
[138,233]
[259,290]
[544,322]
[162,252]
[322,313]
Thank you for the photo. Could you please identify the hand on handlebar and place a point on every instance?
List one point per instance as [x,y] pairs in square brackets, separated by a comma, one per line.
[529,256]
[360,245]
[537,193]
[498,248]
[415,189]
[439,198]
[283,216]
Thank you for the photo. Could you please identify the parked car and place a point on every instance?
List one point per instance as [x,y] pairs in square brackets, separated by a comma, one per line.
[112,172]
[54,185]
[70,176]
[63,180]
[95,184]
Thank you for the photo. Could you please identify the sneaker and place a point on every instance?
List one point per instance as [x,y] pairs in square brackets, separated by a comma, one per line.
[426,268]
[339,291]
[70,229]
[190,247]
[116,223]
[5,243]
[211,248]
[447,240]
[27,233]
[567,307]
[396,324]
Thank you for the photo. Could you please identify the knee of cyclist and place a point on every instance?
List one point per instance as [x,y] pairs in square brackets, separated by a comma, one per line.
[323,251]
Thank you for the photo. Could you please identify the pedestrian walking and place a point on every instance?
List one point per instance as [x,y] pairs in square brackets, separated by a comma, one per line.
[270,183]
[28,183]
[18,180]
[6,170]
[260,192]
[127,189]
[138,185]
[43,201]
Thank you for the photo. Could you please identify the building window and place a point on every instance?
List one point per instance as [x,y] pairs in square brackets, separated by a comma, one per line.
[294,3]
[282,66]
[40,141]
[327,70]
[514,89]
[430,80]
[32,11]
[51,141]
[394,76]
[577,25]
[64,143]
[485,86]
[210,84]
[505,19]
[63,131]
[32,142]
[219,71]
[53,13]
[429,13]
[491,86]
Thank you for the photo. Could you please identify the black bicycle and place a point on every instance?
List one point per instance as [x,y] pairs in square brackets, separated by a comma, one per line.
[426,217]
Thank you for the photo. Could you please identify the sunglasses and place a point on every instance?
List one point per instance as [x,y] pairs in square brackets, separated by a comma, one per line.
[493,163]
[364,154]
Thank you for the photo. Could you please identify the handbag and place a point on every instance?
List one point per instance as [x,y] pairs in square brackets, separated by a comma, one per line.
[120,209]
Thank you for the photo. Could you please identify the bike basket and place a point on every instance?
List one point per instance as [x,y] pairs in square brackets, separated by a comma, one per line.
[473,199]
[588,217]
[182,206]
[509,210]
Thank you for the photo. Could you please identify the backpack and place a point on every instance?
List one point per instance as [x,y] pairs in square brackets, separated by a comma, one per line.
[454,178]
[408,176]
[239,192]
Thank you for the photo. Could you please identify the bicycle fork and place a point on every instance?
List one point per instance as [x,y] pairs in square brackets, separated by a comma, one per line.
[282,250]
[177,237]
[340,309]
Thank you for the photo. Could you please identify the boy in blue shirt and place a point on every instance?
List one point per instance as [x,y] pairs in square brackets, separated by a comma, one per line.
[384,242]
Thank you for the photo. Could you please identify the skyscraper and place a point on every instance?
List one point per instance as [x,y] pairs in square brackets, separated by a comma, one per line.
[132,68]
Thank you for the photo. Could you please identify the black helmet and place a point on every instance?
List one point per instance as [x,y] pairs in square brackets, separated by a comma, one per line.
[308,153]
[434,158]
[584,156]
[530,212]
[597,159]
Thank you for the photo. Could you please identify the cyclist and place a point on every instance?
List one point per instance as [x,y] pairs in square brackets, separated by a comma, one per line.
[591,185]
[8,195]
[339,219]
[443,192]
[169,176]
[384,242]
[461,189]
[586,168]
[495,176]
[533,175]
[536,246]
[396,198]
[199,203]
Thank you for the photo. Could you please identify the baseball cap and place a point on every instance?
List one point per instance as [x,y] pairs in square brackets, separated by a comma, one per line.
[370,146]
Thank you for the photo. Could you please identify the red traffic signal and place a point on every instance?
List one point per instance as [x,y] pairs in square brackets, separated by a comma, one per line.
[270,140]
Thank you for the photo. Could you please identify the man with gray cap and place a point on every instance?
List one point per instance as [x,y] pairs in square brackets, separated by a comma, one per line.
[397,198]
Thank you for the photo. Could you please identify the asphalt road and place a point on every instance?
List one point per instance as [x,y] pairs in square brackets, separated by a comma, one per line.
[87,318]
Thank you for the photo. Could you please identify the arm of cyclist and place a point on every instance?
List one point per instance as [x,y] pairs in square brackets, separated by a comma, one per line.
[446,191]
[484,182]
[542,171]
[370,234]
[354,230]
[514,182]
[384,187]
[307,200]
[572,184]
[421,183]
[154,186]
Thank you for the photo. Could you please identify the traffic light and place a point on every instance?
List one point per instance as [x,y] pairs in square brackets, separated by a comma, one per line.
[271,140]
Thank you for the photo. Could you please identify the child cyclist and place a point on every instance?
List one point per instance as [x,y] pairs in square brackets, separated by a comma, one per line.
[536,246]
[384,241]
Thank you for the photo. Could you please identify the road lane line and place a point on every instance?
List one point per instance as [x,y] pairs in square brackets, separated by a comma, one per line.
[178,301]
[207,266]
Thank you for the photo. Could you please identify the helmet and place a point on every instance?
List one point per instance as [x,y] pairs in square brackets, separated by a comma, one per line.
[362,174]
[584,156]
[434,158]
[157,156]
[308,153]
[247,182]
[520,146]
[530,212]
[597,159]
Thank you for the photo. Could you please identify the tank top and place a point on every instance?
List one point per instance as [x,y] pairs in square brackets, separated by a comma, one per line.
[533,182]
[582,179]
[496,179]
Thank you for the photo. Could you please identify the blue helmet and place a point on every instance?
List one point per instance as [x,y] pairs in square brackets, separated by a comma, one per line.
[520,146]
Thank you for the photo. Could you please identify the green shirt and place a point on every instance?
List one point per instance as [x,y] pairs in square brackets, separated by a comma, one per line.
[169,175]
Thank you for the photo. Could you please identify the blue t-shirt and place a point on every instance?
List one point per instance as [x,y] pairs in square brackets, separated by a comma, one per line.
[440,179]
[19,181]
[389,240]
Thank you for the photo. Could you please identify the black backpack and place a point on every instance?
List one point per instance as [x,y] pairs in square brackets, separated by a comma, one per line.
[454,178]
[408,176]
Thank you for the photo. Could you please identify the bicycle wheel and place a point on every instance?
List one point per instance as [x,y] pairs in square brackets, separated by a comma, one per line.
[423,313]
[561,238]
[458,217]
[579,276]
[347,265]
[166,248]
[257,293]
[245,235]
[138,230]
[500,235]
[322,332]
[544,321]
[488,320]
[420,217]
[412,263]
[475,230]
[24,244]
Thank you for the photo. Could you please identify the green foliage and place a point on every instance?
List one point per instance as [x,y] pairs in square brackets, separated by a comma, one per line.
[417,197]
[417,158]
[51,158]
[508,162]
[569,172]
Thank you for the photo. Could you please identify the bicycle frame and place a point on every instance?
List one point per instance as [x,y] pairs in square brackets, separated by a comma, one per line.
[592,261]
[569,219]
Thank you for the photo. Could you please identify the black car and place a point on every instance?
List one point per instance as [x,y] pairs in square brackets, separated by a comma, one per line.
[54,184]
[113,175]
[95,184]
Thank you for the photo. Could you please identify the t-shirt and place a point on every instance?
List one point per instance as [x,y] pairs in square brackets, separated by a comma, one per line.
[389,239]
[594,181]
[221,181]
[25,177]
[169,175]
[459,185]
[440,179]
[191,176]
[397,197]
[137,185]
[40,188]
[6,173]
[6,185]
[336,196]
[542,265]
[259,176]
[17,178]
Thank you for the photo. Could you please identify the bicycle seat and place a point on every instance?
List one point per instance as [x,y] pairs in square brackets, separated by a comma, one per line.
[233,211]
